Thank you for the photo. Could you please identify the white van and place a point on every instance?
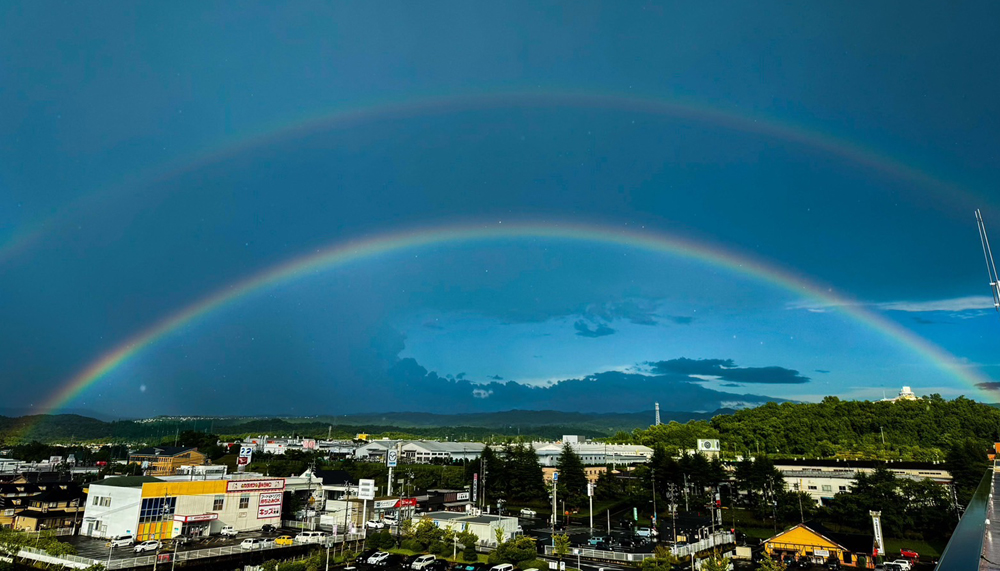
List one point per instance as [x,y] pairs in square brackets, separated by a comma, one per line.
[422,562]
[311,537]
[121,541]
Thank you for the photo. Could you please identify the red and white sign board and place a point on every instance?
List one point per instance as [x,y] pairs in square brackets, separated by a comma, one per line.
[266,512]
[199,517]
[254,485]
[270,499]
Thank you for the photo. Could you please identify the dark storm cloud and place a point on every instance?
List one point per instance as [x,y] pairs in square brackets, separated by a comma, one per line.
[599,330]
[405,385]
[495,377]
[727,370]
[989,385]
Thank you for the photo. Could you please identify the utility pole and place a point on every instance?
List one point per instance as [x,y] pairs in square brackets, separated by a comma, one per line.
[686,507]
[555,493]
[590,498]
[672,490]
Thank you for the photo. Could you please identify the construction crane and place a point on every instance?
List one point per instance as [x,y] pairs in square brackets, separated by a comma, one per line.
[991,268]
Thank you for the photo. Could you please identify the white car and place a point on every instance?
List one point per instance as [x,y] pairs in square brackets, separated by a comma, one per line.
[121,541]
[375,524]
[390,521]
[252,543]
[502,567]
[151,545]
[646,532]
[528,512]
[228,531]
[311,537]
[378,557]
[422,562]
[903,563]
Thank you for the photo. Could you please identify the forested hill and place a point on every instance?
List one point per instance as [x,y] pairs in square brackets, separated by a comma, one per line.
[912,430]
[526,423]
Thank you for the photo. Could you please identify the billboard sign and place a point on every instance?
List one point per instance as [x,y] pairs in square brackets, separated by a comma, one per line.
[386,504]
[475,487]
[267,512]
[462,497]
[199,517]
[255,485]
[392,457]
[366,489]
[270,499]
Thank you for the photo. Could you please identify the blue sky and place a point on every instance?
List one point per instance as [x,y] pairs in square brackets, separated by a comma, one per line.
[96,98]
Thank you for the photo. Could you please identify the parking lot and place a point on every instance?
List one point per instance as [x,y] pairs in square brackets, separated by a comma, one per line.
[95,548]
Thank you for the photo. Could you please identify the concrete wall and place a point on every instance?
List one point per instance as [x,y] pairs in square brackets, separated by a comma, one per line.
[119,518]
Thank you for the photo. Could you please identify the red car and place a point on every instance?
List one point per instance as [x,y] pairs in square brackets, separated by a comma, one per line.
[909,553]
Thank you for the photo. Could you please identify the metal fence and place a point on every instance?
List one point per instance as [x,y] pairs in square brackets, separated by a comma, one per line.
[720,538]
[588,553]
[72,561]
[217,552]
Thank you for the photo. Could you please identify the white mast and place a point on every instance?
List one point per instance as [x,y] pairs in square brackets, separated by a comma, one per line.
[991,268]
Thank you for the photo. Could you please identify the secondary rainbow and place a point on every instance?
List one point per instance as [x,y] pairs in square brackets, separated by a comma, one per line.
[949,194]
[341,254]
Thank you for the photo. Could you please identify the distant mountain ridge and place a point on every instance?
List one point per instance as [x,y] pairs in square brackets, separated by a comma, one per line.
[548,424]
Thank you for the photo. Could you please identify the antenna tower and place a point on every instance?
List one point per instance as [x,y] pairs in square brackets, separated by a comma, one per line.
[991,268]
[657,414]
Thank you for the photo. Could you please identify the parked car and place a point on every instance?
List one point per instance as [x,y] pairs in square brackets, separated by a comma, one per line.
[502,567]
[252,543]
[284,540]
[374,524]
[228,531]
[422,562]
[598,540]
[646,532]
[390,520]
[364,555]
[377,557]
[439,565]
[150,545]
[121,541]
[528,512]
[909,554]
[311,537]
[268,528]
[393,560]
[904,564]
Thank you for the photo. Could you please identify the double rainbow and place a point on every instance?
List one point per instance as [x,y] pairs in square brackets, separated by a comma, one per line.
[343,254]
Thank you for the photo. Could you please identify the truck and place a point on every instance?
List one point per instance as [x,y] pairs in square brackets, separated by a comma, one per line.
[228,531]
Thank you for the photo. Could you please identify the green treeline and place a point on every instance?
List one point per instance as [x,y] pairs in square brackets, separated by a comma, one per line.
[920,430]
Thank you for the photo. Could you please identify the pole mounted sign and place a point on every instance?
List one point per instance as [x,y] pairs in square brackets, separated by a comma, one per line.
[391,457]
[246,452]
[366,489]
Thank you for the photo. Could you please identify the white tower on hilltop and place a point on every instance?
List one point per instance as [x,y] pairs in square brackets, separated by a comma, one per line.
[657,414]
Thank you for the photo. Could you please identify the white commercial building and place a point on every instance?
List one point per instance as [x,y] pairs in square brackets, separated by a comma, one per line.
[148,507]
[420,451]
[484,526]
[593,453]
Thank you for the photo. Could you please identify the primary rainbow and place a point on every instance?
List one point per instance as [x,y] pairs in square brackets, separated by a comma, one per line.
[341,254]
[949,193]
